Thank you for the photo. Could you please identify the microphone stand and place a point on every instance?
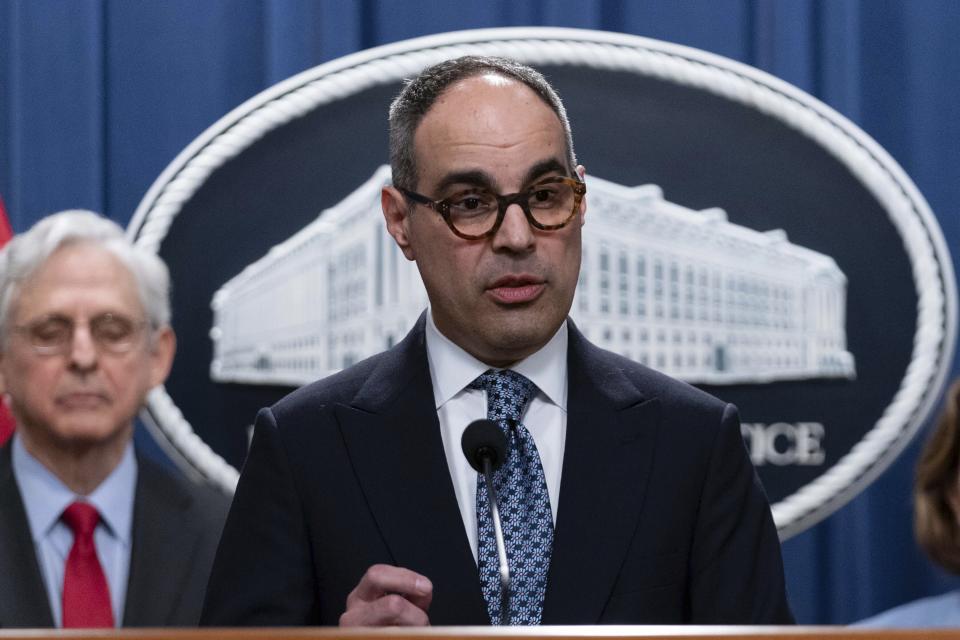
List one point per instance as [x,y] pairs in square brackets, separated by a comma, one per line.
[501,548]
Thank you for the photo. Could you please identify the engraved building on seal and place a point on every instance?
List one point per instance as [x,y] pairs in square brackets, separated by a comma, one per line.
[686,292]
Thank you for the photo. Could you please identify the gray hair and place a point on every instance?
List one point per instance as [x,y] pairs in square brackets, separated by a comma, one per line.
[419,94]
[28,251]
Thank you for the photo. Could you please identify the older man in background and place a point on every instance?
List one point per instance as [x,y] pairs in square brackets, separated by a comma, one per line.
[91,534]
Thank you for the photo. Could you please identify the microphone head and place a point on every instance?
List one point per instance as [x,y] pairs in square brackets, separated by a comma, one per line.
[484,439]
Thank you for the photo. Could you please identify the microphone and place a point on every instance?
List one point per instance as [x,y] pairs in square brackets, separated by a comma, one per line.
[485,446]
[484,440]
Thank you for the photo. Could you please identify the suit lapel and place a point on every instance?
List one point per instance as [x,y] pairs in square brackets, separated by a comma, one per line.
[393,438]
[23,595]
[157,576]
[611,437]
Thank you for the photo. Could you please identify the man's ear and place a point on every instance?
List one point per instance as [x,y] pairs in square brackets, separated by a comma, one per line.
[582,174]
[396,213]
[162,349]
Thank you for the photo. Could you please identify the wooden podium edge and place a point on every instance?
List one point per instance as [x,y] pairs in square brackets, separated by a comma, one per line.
[479,633]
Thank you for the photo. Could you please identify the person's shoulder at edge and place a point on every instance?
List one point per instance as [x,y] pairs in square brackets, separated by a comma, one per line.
[932,612]
[207,503]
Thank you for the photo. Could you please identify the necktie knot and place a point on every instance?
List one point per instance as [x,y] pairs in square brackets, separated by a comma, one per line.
[82,518]
[508,394]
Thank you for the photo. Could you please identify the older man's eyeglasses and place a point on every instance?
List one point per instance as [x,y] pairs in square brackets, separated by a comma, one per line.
[478,213]
[110,332]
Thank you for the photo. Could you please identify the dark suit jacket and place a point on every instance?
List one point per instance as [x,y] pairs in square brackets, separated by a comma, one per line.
[661,518]
[176,526]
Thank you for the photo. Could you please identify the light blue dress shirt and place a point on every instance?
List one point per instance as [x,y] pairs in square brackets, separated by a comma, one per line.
[941,611]
[44,499]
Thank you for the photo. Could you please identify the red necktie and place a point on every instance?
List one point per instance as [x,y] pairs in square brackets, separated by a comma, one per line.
[86,596]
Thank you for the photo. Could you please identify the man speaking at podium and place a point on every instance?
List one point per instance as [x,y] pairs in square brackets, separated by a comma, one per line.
[625,497]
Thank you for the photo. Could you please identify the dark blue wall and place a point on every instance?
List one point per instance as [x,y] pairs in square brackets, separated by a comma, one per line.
[97,97]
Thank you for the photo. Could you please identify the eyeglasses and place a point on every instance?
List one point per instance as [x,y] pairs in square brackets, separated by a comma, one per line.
[478,213]
[110,332]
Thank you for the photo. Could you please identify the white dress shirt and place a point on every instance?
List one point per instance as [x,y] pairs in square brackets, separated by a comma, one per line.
[451,371]
[44,499]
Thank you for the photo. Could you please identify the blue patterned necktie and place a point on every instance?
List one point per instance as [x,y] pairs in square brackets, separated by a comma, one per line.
[524,506]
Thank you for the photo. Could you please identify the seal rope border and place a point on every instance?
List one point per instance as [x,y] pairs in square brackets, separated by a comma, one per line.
[935,334]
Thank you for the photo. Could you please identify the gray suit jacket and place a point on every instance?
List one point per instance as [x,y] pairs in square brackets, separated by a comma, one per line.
[176,527]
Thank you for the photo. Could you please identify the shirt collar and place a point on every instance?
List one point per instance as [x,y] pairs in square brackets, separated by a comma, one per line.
[45,496]
[452,368]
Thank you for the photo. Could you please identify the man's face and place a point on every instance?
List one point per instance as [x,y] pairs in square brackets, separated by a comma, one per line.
[499,298]
[86,396]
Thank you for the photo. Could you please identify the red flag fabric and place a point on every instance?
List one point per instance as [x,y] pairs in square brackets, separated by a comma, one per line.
[5,231]
[6,419]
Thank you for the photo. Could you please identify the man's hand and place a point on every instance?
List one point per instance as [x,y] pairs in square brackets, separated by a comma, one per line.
[389,596]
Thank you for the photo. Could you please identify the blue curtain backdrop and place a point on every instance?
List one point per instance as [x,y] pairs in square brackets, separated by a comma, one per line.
[97,97]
